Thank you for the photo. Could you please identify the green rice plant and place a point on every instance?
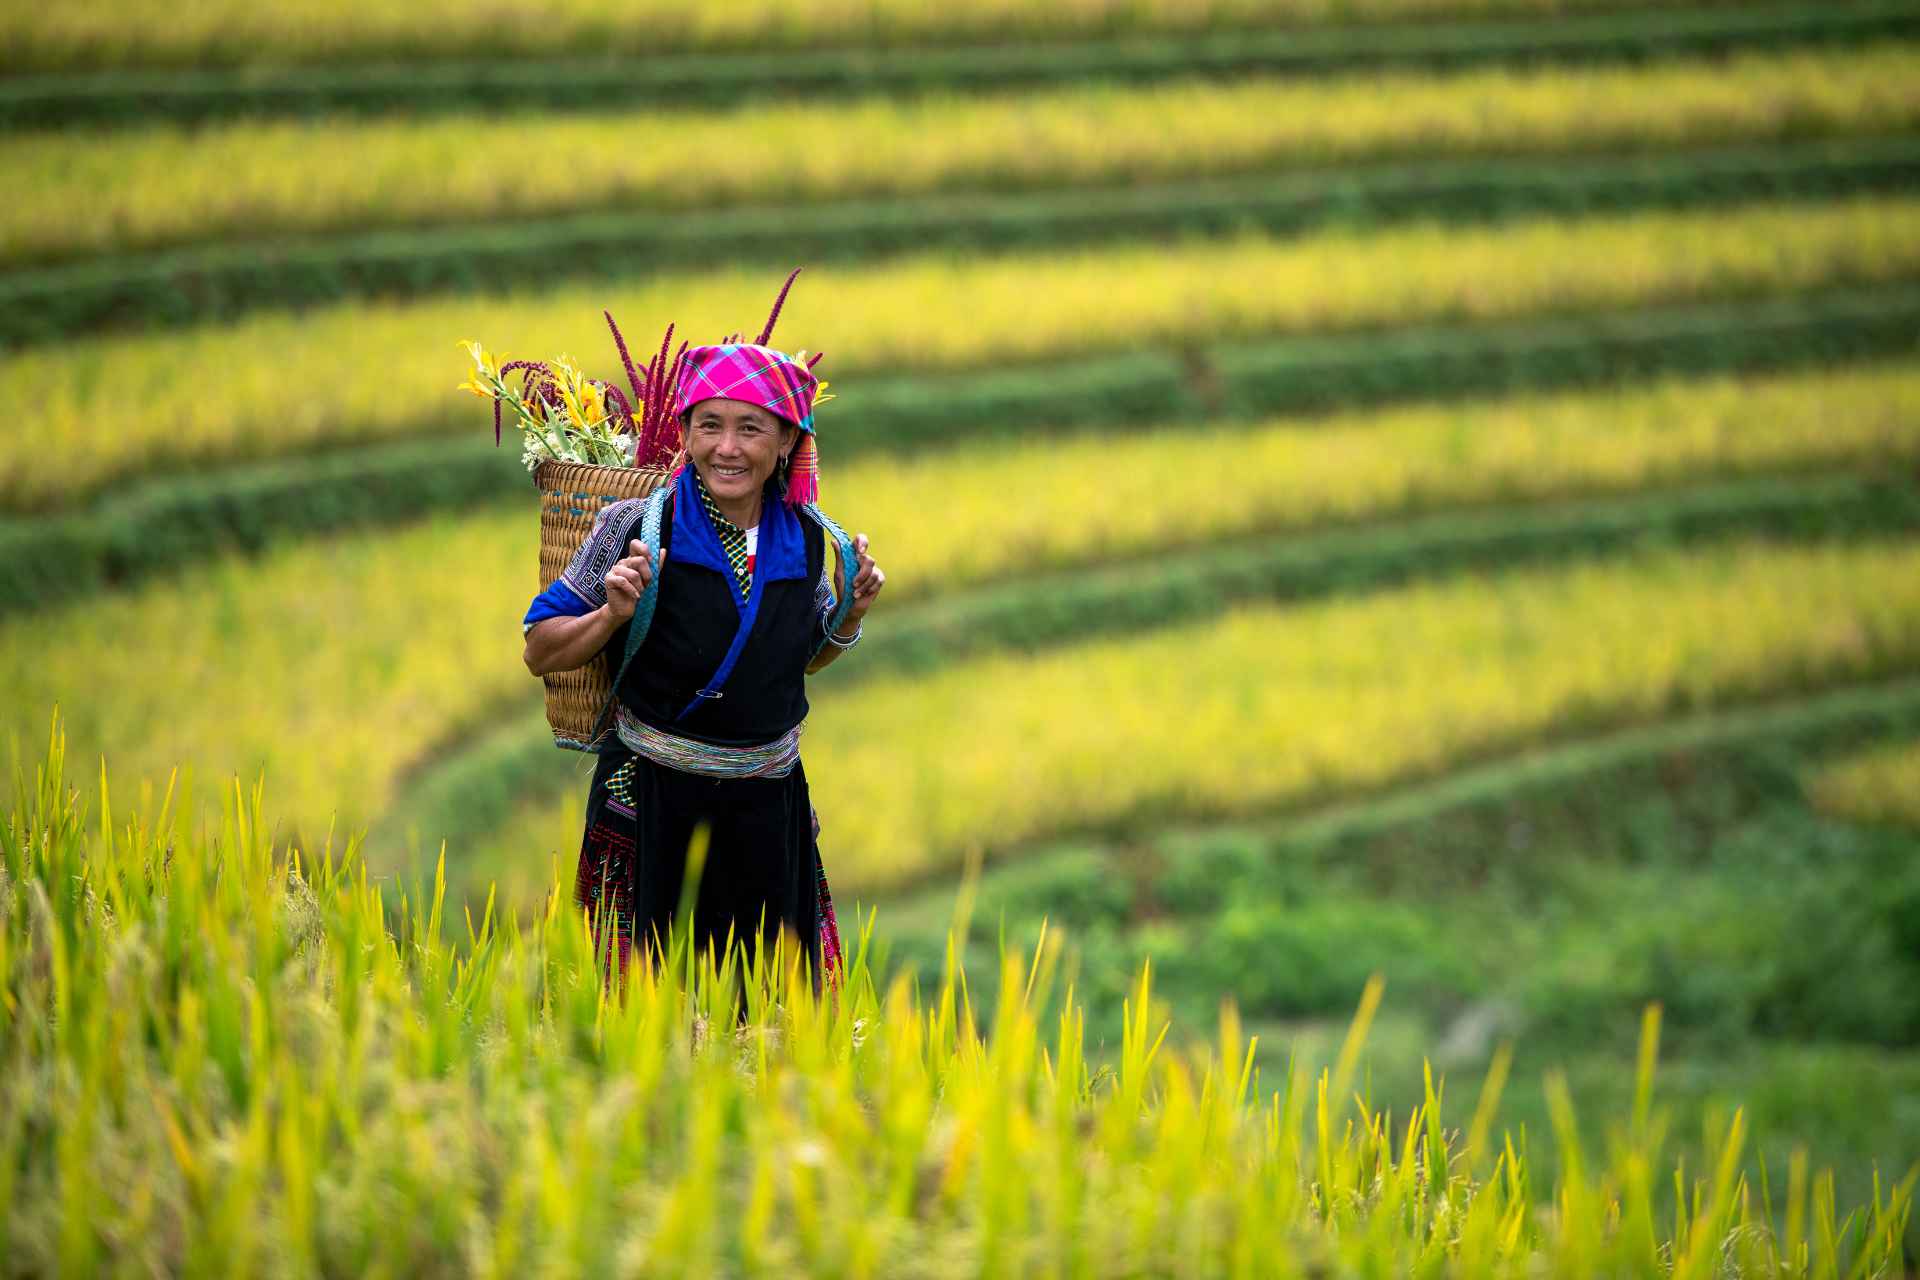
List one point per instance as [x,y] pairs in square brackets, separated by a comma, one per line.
[225,1054]
[1879,785]
[1271,706]
[120,190]
[280,383]
[124,33]
[426,642]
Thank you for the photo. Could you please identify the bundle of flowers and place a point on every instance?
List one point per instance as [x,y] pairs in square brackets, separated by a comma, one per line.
[565,416]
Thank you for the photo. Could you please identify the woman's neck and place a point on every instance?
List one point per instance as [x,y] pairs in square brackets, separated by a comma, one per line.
[744,512]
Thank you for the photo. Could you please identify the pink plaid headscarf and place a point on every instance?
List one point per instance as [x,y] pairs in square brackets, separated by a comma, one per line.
[759,375]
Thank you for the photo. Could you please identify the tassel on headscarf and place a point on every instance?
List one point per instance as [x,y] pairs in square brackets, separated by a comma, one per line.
[803,472]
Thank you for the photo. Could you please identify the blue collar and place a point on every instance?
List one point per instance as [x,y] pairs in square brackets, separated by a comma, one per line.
[780,554]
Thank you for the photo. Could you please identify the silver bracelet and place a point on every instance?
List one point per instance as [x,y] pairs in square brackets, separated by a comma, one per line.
[848,643]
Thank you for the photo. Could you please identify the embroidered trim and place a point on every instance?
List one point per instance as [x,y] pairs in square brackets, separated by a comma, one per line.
[769,760]
[586,574]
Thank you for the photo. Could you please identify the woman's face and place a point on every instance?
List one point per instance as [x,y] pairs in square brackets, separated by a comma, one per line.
[735,446]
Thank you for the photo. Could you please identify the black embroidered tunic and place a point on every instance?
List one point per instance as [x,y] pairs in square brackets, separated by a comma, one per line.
[762,869]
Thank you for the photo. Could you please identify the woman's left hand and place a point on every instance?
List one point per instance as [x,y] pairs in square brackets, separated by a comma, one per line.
[868,578]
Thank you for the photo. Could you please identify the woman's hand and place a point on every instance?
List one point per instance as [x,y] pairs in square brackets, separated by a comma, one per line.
[628,579]
[868,578]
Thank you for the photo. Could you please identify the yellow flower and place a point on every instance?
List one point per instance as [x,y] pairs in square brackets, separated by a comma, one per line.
[486,372]
[596,404]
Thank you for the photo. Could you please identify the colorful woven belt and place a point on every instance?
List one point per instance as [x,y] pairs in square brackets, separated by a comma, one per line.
[769,760]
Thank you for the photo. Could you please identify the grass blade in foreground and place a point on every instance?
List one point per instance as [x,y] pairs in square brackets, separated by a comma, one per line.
[370,372]
[321,1095]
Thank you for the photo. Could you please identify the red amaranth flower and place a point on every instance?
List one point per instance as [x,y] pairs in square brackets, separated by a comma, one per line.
[774,315]
[659,441]
[633,378]
[533,368]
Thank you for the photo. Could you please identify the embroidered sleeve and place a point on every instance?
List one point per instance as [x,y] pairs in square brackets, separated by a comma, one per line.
[581,586]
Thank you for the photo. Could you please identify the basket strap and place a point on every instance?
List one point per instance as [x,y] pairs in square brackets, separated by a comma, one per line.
[651,516]
[843,551]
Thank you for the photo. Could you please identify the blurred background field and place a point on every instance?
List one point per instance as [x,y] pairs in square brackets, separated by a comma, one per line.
[1417,486]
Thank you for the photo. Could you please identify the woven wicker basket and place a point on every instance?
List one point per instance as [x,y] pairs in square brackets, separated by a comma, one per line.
[571,495]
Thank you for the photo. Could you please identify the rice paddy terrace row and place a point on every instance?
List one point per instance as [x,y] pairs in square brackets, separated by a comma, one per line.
[82,196]
[122,35]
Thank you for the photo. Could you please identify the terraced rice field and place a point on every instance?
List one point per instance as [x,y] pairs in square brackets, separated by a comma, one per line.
[1426,486]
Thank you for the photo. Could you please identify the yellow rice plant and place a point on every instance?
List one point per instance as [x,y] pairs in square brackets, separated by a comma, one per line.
[111,407]
[355,656]
[225,1056]
[170,184]
[126,33]
[1879,785]
[1271,706]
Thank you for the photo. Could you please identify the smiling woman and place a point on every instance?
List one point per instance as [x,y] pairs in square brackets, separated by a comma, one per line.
[707,711]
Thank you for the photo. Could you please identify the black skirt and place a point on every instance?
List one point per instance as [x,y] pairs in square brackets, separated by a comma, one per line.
[762,871]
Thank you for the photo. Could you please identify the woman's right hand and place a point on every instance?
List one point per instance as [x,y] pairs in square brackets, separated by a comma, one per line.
[627,579]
